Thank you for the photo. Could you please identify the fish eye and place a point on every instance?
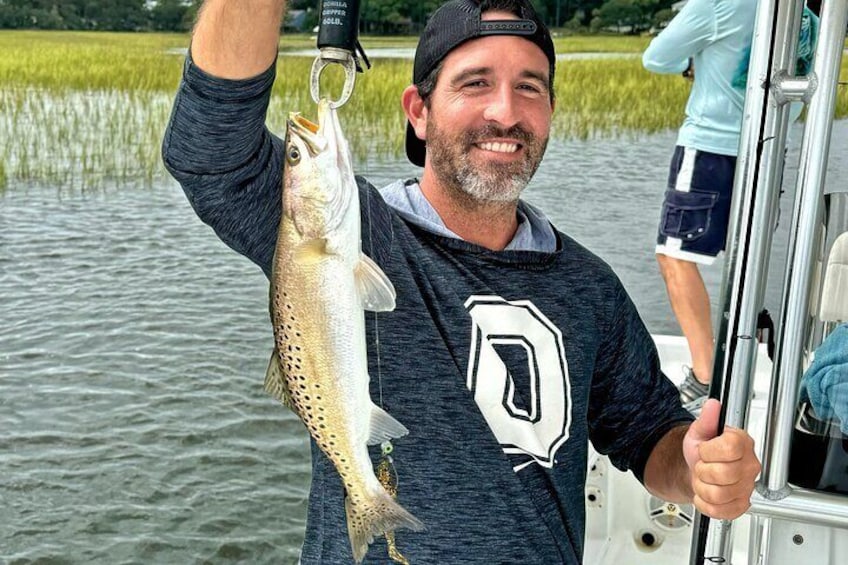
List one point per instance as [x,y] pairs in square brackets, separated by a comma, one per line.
[293,156]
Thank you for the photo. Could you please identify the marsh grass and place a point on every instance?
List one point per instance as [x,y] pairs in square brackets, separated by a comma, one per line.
[89,109]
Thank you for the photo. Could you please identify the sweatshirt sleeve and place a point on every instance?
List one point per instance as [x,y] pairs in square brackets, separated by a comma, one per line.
[218,148]
[632,404]
[692,29]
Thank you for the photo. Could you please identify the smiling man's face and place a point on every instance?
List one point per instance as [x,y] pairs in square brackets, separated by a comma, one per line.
[489,116]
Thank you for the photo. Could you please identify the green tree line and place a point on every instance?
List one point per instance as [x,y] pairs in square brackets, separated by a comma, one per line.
[376,16]
[103,15]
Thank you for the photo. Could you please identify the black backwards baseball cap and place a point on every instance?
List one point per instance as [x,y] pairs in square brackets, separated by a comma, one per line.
[458,21]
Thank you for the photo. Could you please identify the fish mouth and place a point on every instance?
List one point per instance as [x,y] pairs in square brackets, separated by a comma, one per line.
[307,131]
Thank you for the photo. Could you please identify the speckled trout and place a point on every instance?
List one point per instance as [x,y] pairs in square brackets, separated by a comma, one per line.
[320,287]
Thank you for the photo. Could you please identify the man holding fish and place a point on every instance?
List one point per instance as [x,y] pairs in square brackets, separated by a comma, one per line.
[501,345]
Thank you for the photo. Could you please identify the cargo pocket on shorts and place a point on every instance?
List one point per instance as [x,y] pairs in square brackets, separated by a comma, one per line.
[686,215]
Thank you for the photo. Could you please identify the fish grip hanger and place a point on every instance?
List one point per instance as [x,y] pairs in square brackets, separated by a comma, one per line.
[338,44]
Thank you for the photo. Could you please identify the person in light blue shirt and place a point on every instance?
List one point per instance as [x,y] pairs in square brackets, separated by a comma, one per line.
[714,38]
[711,36]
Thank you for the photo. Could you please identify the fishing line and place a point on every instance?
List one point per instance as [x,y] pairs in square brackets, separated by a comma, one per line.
[372,254]
[376,319]
[377,347]
[386,473]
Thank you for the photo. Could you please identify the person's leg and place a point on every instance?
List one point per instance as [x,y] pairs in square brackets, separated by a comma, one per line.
[691,305]
[692,231]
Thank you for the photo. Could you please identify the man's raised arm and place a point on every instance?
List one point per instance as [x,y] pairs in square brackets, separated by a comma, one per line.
[217,145]
[237,39]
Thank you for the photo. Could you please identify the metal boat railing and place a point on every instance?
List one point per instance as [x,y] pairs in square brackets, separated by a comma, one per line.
[771,87]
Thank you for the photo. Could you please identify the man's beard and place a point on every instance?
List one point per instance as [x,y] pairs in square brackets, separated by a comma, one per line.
[484,182]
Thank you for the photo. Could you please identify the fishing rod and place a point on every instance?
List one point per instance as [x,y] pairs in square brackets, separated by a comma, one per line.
[771,86]
[753,207]
[338,44]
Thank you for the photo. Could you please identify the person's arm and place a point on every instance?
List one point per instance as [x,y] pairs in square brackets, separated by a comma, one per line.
[632,405]
[666,472]
[692,464]
[687,33]
[217,145]
[636,418]
[237,39]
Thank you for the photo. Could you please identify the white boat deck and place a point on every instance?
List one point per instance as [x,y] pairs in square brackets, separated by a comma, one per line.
[625,525]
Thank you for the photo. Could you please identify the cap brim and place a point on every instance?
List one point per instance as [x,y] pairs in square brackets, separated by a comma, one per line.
[416,150]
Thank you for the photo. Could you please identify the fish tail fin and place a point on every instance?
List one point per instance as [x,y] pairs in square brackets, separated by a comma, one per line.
[383,426]
[275,381]
[375,517]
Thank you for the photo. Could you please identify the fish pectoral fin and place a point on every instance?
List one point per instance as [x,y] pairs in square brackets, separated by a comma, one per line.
[383,427]
[275,381]
[310,251]
[376,291]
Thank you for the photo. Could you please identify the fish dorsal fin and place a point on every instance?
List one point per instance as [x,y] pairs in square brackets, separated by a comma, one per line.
[275,381]
[383,426]
[310,251]
[376,291]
